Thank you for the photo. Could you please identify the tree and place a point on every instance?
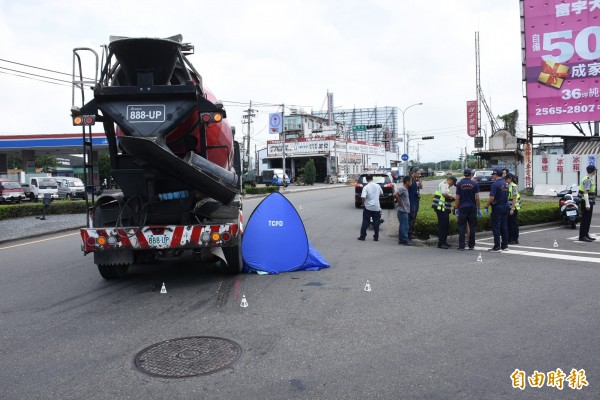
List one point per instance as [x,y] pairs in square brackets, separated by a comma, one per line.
[14,162]
[46,163]
[510,121]
[104,167]
[310,172]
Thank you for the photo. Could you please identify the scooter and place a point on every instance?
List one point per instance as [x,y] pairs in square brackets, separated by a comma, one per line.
[569,209]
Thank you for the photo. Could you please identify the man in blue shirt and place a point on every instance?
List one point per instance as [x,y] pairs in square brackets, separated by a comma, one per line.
[414,197]
[500,208]
[467,204]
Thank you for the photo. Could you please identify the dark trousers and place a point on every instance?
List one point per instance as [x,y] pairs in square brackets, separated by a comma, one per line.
[467,216]
[586,220]
[412,217]
[500,226]
[443,222]
[366,220]
[513,226]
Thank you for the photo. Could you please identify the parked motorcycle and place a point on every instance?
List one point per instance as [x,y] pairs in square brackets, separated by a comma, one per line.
[569,207]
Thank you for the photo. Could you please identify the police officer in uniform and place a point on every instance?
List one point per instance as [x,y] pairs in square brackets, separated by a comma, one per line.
[514,198]
[467,204]
[442,204]
[500,209]
[587,194]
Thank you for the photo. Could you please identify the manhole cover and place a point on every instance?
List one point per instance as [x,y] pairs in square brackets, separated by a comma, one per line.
[185,357]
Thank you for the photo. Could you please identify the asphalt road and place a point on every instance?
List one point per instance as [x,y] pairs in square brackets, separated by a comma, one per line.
[436,324]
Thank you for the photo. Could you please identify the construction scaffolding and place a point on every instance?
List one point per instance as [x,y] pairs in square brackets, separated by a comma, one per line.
[372,125]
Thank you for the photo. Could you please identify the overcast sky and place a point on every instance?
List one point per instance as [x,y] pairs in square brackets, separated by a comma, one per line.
[368,53]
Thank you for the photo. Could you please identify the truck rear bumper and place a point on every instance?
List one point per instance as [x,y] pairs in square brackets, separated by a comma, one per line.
[160,237]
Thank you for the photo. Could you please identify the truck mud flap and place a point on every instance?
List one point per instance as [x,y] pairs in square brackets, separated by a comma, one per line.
[201,174]
[121,257]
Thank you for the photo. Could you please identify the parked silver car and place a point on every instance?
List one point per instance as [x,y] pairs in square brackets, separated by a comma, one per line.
[70,188]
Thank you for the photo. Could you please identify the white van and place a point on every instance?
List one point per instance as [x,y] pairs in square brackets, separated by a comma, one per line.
[39,186]
[70,188]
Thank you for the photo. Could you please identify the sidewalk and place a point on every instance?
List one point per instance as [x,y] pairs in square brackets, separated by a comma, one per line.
[27,227]
[21,228]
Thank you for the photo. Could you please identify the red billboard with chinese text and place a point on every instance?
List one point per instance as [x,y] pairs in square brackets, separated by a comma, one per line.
[562,54]
[472,127]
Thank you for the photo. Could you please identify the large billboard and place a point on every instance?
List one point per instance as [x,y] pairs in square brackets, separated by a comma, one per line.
[562,53]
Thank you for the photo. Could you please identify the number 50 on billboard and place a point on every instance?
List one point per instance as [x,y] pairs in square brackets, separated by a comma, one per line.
[562,60]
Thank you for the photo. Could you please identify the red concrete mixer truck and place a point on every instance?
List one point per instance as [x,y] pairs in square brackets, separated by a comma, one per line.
[172,155]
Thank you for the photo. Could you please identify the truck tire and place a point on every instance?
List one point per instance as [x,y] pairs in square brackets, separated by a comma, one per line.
[113,271]
[233,256]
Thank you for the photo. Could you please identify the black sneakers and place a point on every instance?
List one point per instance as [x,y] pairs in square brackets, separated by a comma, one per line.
[495,249]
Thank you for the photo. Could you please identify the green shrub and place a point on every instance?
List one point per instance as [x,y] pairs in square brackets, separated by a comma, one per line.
[310,172]
[28,209]
[531,213]
[260,189]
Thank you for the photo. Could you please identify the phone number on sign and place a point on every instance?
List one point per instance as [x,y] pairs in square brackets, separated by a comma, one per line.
[566,110]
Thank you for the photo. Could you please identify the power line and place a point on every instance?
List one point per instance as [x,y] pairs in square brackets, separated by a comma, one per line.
[32,66]
[36,75]
[35,79]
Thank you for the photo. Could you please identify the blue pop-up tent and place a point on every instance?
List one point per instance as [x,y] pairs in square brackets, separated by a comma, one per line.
[275,239]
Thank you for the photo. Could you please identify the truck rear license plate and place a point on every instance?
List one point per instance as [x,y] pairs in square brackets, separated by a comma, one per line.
[158,240]
[571,213]
[146,113]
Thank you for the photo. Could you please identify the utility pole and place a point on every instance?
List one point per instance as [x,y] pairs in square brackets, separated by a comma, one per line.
[250,113]
[283,147]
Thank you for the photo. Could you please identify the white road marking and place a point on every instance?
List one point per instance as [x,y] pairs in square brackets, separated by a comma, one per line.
[38,241]
[553,255]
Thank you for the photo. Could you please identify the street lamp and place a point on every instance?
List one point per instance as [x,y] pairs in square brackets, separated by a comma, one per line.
[404,133]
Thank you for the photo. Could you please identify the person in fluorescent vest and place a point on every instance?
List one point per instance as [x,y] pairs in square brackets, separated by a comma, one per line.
[442,204]
[587,194]
[514,198]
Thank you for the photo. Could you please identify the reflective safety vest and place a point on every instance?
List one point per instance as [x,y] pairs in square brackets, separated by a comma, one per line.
[591,192]
[439,201]
[510,196]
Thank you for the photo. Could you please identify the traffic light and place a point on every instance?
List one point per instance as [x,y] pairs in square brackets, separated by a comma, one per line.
[374,126]
[427,137]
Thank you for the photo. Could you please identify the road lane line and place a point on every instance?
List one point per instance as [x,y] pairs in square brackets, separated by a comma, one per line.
[518,246]
[555,256]
[37,241]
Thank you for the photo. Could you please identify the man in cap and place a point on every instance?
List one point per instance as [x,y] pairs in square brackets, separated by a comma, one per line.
[442,200]
[467,204]
[500,209]
[587,194]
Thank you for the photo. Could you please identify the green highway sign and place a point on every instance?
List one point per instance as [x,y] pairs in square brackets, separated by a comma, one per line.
[357,128]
